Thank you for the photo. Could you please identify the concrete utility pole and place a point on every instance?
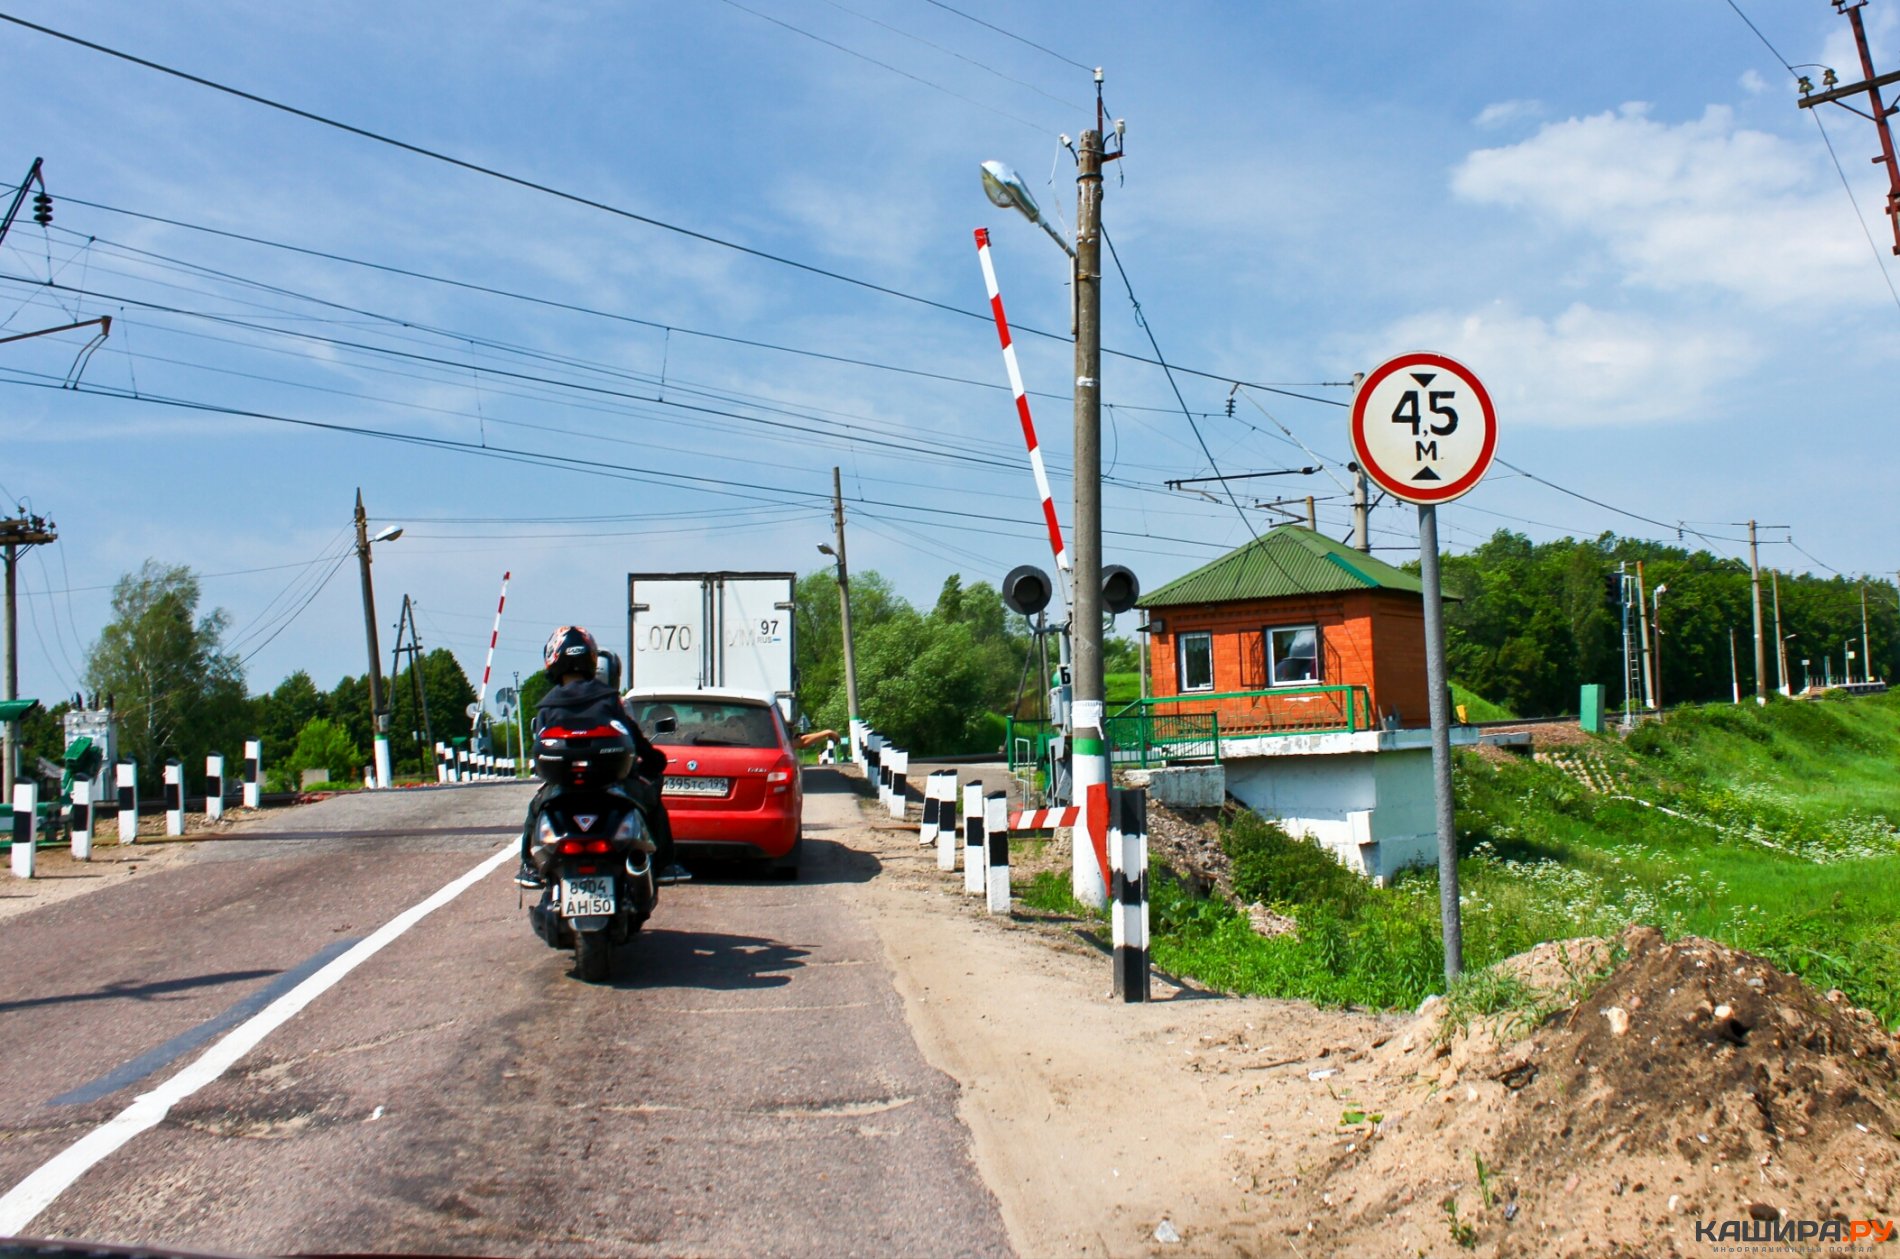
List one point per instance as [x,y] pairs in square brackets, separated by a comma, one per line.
[1781,644]
[1088,715]
[16,535]
[1361,492]
[1754,584]
[844,604]
[379,707]
[1734,678]
[1866,652]
[1642,637]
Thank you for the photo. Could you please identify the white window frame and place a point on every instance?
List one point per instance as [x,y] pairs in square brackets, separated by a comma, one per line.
[1181,641]
[1273,662]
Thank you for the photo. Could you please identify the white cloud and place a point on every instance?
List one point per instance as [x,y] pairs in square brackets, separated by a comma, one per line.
[1752,82]
[1503,113]
[1586,367]
[1697,205]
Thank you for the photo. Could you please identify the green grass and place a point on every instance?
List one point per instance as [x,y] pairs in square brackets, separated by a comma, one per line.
[1477,707]
[1784,848]
[1121,689]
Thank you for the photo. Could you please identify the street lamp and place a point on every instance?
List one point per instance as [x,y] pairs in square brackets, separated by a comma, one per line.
[378,705]
[1804,674]
[1781,653]
[1087,715]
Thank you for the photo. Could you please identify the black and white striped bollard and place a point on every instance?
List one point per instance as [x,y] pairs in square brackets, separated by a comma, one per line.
[26,827]
[214,786]
[253,795]
[949,833]
[996,840]
[174,797]
[441,765]
[1128,869]
[900,774]
[128,802]
[975,860]
[81,826]
[927,829]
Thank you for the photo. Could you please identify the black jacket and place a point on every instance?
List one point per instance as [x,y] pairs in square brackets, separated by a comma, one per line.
[590,702]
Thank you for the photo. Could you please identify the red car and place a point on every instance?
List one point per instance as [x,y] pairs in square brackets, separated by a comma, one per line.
[732,786]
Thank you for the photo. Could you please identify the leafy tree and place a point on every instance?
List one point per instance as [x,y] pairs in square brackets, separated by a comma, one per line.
[285,711]
[323,744]
[348,705]
[818,642]
[176,691]
[446,694]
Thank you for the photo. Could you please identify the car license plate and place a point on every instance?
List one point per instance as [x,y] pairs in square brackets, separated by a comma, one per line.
[679,785]
[587,898]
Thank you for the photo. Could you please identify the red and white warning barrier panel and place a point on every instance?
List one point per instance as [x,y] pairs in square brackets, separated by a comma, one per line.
[1045,819]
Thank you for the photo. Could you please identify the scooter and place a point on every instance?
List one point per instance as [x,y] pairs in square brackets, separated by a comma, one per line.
[592,847]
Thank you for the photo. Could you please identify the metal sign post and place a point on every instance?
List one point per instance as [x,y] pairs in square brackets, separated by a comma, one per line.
[1423,428]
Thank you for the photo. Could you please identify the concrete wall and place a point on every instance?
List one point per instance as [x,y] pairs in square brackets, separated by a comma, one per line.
[1372,810]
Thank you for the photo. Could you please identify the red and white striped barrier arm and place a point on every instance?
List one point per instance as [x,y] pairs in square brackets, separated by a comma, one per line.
[1022,406]
[1045,819]
[494,634]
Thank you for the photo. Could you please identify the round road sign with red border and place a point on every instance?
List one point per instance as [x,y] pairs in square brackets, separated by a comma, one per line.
[1423,428]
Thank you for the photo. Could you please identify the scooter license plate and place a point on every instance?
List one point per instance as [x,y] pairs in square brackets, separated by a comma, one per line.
[587,897]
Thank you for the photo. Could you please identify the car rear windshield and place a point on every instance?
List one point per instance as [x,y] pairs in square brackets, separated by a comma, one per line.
[707,723]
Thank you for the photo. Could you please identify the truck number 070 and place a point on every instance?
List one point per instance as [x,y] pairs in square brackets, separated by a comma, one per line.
[669,638]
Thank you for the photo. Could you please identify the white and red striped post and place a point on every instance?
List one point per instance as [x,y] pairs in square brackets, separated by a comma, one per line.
[81,825]
[488,666]
[174,797]
[128,775]
[1128,859]
[975,860]
[996,841]
[1022,411]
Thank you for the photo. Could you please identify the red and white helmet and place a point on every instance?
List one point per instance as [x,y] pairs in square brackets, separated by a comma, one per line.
[570,649]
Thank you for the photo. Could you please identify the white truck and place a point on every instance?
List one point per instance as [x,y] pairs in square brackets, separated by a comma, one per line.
[693,631]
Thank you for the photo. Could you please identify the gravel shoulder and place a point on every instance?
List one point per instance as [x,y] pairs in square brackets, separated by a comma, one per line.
[1093,1122]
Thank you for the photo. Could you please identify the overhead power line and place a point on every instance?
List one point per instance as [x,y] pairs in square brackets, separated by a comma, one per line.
[1030,43]
[591,202]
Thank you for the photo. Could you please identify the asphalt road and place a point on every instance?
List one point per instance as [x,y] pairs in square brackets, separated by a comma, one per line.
[746,1085]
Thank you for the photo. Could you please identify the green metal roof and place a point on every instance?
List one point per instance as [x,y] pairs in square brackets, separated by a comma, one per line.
[1292,560]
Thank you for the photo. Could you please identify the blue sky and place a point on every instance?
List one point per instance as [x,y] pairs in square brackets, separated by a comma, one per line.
[1614,213]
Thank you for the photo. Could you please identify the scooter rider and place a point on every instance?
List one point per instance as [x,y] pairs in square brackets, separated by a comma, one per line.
[579,698]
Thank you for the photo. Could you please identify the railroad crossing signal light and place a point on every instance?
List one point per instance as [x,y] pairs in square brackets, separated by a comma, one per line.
[42,209]
[1026,590]
[1120,589]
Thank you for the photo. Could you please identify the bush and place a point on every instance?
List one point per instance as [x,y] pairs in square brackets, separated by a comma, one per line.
[1274,868]
[322,744]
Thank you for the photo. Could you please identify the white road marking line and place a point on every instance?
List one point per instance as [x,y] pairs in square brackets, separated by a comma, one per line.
[24,1202]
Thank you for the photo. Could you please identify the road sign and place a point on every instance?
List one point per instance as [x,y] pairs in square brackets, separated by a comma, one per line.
[1423,428]
[473,710]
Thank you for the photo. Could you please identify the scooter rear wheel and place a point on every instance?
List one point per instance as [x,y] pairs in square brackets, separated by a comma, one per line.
[593,955]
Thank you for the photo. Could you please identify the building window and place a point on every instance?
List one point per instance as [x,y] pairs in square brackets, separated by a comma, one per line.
[1196,652]
[1293,655]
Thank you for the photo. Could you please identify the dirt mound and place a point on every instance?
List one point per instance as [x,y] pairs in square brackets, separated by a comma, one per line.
[1697,1085]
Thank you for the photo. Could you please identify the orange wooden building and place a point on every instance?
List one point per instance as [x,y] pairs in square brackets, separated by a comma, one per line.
[1291,632]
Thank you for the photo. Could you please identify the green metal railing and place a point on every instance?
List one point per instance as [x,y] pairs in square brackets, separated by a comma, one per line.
[1147,738]
[1277,710]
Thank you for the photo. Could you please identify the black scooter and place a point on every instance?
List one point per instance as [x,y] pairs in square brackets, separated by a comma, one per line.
[594,852]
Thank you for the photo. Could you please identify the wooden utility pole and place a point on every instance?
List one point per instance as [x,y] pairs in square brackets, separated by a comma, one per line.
[1866,653]
[378,706]
[844,605]
[1361,492]
[1876,111]
[15,536]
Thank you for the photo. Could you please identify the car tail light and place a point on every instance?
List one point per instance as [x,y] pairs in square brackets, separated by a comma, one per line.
[781,774]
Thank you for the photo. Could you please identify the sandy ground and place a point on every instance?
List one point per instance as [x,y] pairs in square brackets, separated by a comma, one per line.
[57,876]
[1096,1123]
